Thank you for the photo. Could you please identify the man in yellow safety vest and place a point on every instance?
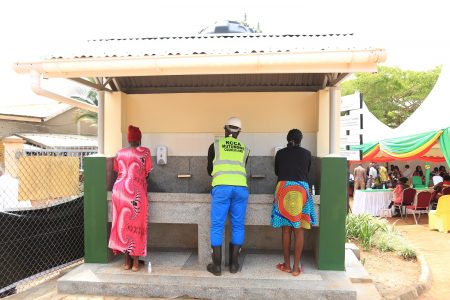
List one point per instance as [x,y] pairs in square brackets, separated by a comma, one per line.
[227,158]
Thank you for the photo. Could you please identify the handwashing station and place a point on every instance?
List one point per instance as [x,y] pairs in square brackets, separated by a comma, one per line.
[179,91]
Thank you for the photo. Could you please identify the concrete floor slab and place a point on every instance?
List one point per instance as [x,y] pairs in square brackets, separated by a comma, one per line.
[174,275]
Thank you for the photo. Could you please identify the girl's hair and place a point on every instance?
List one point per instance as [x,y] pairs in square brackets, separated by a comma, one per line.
[403,180]
[294,137]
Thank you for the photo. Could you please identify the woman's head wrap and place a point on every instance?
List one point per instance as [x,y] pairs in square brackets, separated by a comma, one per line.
[134,134]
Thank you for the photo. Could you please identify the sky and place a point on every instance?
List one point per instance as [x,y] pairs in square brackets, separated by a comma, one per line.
[414,33]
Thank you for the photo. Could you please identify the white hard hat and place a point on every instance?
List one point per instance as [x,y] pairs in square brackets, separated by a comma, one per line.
[234,121]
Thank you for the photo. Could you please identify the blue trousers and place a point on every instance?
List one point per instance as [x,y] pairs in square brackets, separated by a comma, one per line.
[224,199]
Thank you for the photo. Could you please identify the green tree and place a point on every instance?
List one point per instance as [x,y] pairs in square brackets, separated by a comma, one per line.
[85,115]
[392,94]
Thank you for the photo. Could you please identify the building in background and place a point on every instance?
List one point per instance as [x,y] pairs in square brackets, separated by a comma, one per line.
[42,118]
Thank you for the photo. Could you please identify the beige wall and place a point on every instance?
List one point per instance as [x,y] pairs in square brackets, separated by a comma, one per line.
[65,124]
[61,124]
[207,112]
[187,114]
[115,123]
[323,125]
[337,125]
[323,132]
[197,144]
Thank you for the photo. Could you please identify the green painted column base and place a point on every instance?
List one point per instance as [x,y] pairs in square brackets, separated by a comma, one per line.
[333,210]
[95,210]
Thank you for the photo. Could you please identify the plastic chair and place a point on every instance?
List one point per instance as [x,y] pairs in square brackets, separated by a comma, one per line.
[417,182]
[408,195]
[440,218]
[422,204]
[446,191]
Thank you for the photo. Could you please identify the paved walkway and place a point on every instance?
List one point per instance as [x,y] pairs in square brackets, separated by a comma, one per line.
[435,246]
[48,291]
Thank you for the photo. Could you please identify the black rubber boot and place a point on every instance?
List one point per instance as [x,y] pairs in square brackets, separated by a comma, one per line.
[234,257]
[215,266]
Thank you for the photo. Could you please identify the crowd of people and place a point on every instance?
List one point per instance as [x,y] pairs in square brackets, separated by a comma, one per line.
[376,176]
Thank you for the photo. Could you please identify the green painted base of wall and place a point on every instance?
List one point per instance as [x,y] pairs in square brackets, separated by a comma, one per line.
[333,210]
[95,210]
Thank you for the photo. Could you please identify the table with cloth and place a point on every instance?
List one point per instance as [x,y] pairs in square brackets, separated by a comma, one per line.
[371,201]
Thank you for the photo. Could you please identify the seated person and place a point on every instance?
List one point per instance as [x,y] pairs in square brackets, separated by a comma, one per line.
[434,172]
[417,171]
[398,192]
[377,184]
[437,179]
[397,172]
[422,176]
[437,193]
[442,171]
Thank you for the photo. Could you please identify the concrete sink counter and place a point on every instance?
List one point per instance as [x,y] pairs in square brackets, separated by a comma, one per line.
[188,208]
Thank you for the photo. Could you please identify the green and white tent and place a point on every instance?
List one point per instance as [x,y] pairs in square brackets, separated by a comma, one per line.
[425,135]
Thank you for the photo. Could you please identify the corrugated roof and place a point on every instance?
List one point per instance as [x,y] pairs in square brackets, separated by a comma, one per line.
[43,111]
[57,141]
[226,44]
[221,83]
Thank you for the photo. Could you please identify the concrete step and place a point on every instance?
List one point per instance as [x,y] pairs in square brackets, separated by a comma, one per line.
[354,269]
[175,274]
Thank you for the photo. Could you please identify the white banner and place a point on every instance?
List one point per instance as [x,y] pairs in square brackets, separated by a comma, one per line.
[350,140]
[351,154]
[351,102]
[352,122]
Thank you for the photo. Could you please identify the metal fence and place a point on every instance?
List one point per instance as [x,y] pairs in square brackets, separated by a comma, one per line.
[41,213]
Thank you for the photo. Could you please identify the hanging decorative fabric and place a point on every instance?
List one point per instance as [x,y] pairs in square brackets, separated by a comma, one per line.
[444,143]
[410,147]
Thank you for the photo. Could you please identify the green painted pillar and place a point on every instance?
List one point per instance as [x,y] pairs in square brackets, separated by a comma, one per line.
[95,210]
[333,210]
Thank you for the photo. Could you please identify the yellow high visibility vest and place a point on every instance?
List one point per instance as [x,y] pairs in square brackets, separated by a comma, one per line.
[229,162]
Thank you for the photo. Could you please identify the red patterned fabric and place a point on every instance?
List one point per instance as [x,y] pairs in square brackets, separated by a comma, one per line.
[129,202]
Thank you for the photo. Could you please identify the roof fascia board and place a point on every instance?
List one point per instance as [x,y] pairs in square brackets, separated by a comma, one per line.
[309,62]
[58,113]
[21,118]
[33,142]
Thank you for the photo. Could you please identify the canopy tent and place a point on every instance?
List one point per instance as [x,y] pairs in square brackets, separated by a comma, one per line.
[373,128]
[431,119]
[432,146]
[433,113]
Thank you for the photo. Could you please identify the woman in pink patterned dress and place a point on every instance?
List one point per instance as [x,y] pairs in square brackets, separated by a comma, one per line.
[129,201]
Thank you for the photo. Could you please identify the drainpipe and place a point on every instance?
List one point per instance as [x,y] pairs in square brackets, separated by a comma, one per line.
[332,125]
[101,122]
[37,89]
